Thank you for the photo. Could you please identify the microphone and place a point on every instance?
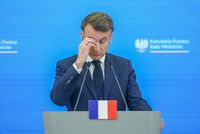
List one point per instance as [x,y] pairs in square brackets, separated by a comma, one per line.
[120,89]
[79,94]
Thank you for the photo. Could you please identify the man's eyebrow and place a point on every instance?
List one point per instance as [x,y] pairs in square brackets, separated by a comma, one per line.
[103,38]
[96,40]
[91,37]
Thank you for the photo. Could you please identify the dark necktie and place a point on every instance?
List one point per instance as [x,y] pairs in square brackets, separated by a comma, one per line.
[98,77]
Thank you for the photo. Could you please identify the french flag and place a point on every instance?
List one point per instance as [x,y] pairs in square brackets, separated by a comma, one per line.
[102,109]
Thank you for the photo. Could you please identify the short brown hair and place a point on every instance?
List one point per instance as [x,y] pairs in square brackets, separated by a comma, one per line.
[99,21]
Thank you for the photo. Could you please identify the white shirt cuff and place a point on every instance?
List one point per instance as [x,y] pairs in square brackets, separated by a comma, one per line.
[78,70]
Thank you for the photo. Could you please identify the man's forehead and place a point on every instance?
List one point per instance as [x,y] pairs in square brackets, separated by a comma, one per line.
[90,32]
[98,35]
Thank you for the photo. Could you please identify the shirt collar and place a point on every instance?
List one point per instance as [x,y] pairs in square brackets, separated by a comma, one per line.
[102,60]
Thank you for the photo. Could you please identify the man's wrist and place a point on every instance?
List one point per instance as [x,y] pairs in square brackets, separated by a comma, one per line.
[79,64]
[77,69]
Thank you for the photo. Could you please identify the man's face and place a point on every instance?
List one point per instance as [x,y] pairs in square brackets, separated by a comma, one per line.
[102,40]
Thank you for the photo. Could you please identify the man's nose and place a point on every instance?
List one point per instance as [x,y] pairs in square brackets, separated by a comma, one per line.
[97,47]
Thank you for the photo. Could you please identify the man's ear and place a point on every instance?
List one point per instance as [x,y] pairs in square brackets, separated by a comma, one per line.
[81,34]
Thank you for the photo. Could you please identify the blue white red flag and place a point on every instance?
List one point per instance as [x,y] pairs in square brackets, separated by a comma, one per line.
[102,109]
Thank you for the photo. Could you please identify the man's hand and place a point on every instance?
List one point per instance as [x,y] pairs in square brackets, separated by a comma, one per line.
[83,51]
[162,124]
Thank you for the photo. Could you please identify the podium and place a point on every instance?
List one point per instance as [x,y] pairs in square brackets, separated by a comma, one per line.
[128,122]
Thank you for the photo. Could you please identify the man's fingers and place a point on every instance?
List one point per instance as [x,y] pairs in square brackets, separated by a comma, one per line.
[89,40]
[89,45]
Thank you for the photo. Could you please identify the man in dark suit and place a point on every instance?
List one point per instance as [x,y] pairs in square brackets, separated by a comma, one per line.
[100,82]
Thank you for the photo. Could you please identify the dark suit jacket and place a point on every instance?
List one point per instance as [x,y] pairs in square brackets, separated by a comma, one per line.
[68,82]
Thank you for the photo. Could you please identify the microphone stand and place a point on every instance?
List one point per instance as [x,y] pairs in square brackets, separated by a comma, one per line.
[120,89]
[87,68]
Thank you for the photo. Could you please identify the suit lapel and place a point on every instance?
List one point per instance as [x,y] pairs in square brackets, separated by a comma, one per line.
[90,85]
[109,78]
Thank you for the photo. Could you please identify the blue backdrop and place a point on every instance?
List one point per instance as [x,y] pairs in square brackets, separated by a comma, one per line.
[160,37]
